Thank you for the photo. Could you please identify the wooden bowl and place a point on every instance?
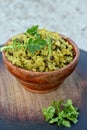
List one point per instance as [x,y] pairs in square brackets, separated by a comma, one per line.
[41,82]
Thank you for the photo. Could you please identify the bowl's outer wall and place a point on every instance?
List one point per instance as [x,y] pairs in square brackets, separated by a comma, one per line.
[42,81]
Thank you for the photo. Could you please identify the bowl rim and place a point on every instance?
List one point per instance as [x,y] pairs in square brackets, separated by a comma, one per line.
[76,58]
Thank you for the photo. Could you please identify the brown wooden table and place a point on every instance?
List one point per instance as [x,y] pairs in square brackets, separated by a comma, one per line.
[21,109]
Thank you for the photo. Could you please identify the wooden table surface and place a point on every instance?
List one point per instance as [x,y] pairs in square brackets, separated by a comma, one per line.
[21,109]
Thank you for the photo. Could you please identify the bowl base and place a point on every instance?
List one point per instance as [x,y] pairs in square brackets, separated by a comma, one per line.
[38,91]
[33,88]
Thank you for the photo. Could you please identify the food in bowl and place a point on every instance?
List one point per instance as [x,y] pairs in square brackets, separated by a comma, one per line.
[39,51]
[42,58]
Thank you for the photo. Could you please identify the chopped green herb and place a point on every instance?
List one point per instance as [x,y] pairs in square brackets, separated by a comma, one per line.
[33,30]
[35,45]
[15,45]
[49,112]
[61,114]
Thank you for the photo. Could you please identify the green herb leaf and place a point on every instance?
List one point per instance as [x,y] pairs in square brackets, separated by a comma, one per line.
[53,120]
[49,113]
[61,113]
[35,45]
[66,123]
[33,30]
[16,44]
[37,35]
[57,105]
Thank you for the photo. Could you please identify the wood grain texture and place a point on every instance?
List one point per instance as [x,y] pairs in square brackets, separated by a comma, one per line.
[16,103]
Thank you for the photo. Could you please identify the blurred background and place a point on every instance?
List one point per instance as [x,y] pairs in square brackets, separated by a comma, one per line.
[68,17]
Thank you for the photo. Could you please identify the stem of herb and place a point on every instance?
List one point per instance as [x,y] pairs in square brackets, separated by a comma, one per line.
[9,47]
[49,45]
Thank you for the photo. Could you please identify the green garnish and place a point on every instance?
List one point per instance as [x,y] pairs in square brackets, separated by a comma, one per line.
[61,114]
[33,44]
[33,30]
[15,45]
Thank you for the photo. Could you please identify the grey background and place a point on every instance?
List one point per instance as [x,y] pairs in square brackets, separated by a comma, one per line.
[68,17]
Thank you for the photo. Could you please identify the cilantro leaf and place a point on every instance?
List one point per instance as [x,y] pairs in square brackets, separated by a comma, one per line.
[35,45]
[57,105]
[49,112]
[66,123]
[33,30]
[61,113]
[53,120]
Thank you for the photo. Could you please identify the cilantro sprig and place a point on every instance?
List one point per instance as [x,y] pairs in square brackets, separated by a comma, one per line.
[15,45]
[34,43]
[33,30]
[63,114]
